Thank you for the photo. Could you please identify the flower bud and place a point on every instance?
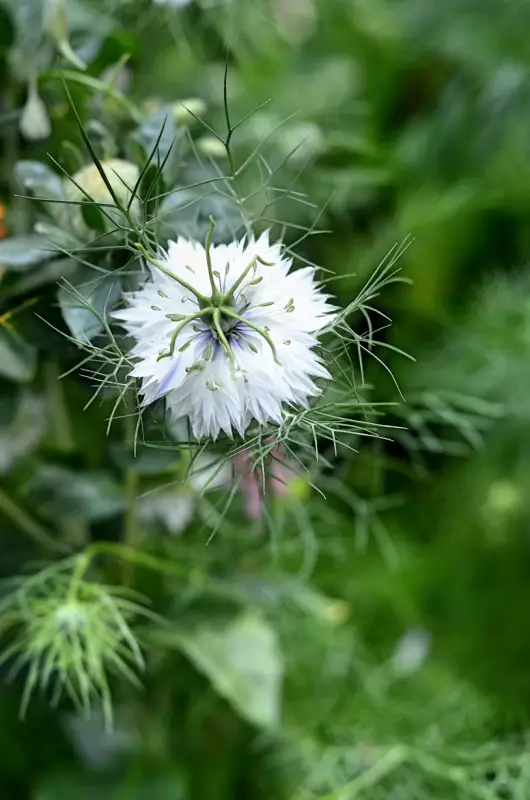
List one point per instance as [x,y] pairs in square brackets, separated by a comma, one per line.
[56,26]
[210,146]
[122,176]
[34,123]
[185,111]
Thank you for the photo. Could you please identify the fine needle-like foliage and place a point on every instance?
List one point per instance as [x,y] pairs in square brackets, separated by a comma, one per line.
[263,408]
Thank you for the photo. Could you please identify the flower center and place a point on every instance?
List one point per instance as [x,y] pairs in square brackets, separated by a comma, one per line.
[220,313]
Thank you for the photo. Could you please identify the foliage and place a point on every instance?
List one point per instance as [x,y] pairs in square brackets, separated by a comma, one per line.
[360,630]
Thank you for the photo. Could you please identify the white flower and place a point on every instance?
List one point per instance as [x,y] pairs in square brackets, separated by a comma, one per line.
[227,333]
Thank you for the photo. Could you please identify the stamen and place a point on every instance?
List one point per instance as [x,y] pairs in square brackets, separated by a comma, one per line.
[197,367]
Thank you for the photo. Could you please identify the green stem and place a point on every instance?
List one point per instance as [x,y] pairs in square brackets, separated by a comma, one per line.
[29,525]
[370,777]
[130,531]
[62,430]
[229,313]
[453,774]
[133,556]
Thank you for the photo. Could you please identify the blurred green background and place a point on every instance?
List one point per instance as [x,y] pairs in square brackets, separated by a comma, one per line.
[411,125]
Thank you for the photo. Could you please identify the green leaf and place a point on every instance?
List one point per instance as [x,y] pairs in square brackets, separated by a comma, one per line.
[51,272]
[20,253]
[18,359]
[84,295]
[93,217]
[244,663]
[39,179]
[160,785]
[89,496]
[58,236]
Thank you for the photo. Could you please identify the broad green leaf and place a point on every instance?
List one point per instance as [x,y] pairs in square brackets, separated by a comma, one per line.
[58,236]
[51,272]
[20,253]
[86,295]
[93,217]
[89,496]
[244,663]
[38,178]
[18,359]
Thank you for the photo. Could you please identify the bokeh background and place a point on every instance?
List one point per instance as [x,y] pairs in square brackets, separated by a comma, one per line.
[410,130]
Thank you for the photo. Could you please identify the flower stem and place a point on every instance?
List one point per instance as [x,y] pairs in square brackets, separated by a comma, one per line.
[130,531]
[30,526]
[62,429]
[370,777]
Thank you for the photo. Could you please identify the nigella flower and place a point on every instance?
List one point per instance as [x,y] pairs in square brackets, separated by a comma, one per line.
[227,333]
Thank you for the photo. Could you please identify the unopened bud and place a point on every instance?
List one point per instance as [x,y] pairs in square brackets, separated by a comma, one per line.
[34,123]
[210,146]
[185,112]
[122,176]
[56,26]
[87,184]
